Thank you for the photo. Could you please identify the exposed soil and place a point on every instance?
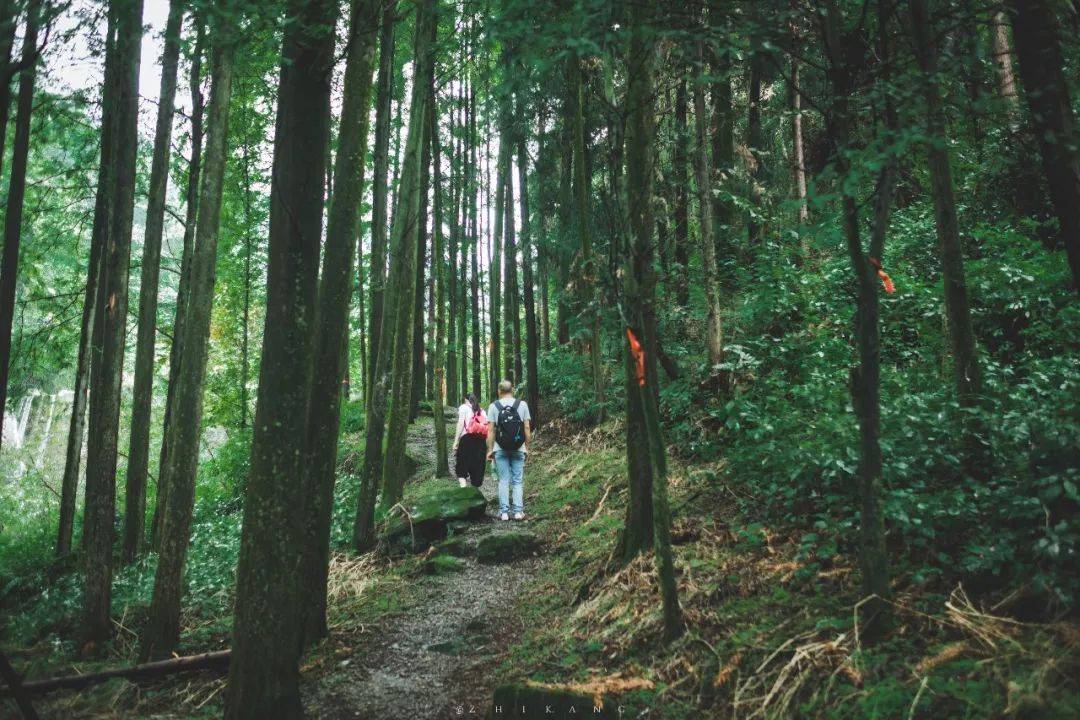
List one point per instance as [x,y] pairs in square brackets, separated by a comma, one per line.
[437,658]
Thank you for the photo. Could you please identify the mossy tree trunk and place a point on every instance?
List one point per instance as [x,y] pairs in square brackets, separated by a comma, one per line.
[703,181]
[268,628]
[440,275]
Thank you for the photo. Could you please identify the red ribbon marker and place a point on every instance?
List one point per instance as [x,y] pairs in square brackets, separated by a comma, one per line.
[639,355]
[885,279]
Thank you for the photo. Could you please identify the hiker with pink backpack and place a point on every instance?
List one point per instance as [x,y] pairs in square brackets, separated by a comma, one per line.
[470,443]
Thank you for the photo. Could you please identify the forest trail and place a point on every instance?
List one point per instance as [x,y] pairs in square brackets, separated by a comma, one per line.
[437,658]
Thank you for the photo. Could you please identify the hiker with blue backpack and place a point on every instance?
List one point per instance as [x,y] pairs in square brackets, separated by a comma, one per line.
[509,433]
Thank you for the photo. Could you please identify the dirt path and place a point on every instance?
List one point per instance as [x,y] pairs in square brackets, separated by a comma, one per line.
[438,658]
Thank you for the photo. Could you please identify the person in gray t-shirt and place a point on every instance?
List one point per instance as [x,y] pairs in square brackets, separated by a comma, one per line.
[509,453]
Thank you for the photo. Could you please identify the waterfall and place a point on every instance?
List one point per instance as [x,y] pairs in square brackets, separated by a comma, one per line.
[14,428]
[39,459]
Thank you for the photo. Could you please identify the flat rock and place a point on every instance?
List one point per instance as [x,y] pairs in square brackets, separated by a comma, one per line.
[431,505]
[507,546]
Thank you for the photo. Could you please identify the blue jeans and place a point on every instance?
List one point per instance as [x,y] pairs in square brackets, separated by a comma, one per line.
[511,469]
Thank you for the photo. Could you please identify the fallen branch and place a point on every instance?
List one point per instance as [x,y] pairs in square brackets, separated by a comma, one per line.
[219,659]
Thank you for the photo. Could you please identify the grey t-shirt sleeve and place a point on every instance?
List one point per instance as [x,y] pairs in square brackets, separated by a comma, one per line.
[492,413]
[523,411]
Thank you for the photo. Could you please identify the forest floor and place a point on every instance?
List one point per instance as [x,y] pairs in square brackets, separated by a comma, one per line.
[436,657]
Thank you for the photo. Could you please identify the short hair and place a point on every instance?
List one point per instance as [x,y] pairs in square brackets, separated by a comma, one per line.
[506,386]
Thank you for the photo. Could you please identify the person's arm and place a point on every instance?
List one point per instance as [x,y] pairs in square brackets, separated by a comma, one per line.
[491,441]
[528,431]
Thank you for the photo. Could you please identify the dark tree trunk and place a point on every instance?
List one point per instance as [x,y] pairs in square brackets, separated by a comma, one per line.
[681,172]
[270,596]
[1002,50]
[844,53]
[143,392]
[416,383]
[1038,48]
[474,230]
[438,273]
[495,268]
[184,289]
[703,181]
[755,140]
[9,266]
[532,340]
[331,330]
[8,21]
[389,404]
[118,193]
[380,173]
[408,223]
[639,285]
[723,148]
[966,371]
[162,630]
[510,314]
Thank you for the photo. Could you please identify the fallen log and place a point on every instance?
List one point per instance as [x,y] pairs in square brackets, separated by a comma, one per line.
[218,659]
[17,689]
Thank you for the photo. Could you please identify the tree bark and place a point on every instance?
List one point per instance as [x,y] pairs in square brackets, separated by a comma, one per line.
[798,160]
[755,140]
[844,56]
[966,371]
[438,271]
[639,286]
[270,596]
[681,171]
[532,340]
[379,187]
[331,330]
[472,182]
[8,21]
[118,193]
[1002,49]
[406,226]
[703,179]
[184,288]
[1038,48]
[9,265]
[143,392]
[162,631]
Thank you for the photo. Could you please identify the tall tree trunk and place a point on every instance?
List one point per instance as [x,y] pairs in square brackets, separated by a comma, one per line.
[723,146]
[331,330]
[184,288]
[9,266]
[408,222]
[640,288]
[474,224]
[268,625]
[122,92]
[581,210]
[703,179]
[510,314]
[1038,49]
[495,268]
[755,140]
[966,371]
[681,188]
[389,404]
[438,272]
[245,319]
[532,340]
[162,631]
[416,383]
[380,173]
[798,160]
[143,392]
[843,63]
[8,21]
[1002,49]
[449,360]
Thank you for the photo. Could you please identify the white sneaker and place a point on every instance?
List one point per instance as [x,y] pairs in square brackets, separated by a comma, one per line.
[519,516]
[504,516]
[462,482]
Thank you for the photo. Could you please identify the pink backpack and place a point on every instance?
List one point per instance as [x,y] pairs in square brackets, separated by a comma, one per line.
[477,424]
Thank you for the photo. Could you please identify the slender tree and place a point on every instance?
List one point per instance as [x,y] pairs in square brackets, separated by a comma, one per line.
[406,225]
[844,50]
[184,287]
[532,340]
[1002,50]
[113,219]
[9,266]
[379,187]
[966,371]
[703,180]
[139,442]
[681,191]
[162,630]
[333,314]
[439,273]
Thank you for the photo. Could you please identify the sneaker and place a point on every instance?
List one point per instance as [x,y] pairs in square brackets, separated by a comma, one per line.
[504,516]
[519,516]
[462,482]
